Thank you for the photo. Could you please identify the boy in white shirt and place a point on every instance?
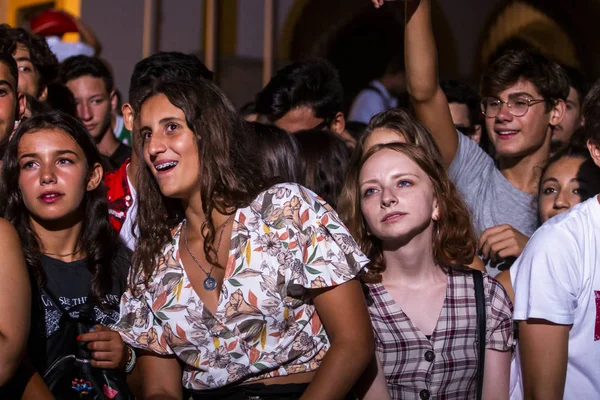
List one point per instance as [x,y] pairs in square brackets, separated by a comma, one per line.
[557,294]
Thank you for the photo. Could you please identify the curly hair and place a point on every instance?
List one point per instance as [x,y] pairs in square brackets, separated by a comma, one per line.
[42,57]
[454,243]
[230,172]
[97,237]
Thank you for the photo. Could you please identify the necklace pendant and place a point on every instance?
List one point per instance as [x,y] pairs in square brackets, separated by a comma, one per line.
[210,283]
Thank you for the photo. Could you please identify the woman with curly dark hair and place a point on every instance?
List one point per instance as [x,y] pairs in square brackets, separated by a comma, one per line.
[52,193]
[411,222]
[237,287]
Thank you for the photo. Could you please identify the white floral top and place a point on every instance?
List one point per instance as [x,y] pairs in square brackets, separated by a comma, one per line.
[287,241]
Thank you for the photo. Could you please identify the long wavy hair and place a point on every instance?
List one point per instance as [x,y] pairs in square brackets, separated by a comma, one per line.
[97,237]
[230,176]
[454,242]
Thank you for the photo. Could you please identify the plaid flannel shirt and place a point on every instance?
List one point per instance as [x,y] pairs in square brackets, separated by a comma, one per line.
[444,367]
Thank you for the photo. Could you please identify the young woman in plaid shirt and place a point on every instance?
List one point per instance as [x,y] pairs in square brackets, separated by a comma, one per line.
[413,225]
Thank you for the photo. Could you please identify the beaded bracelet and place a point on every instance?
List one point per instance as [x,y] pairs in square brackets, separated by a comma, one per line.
[130,360]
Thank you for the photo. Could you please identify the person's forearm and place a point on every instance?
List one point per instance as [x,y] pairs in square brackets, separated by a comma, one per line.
[343,364]
[420,54]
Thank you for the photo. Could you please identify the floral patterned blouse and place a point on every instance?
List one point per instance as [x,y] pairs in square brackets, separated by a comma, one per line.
[287,241]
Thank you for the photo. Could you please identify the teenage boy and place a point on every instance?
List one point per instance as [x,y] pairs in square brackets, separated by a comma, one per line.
[37,65]
[91,83]
[12,103]
[557,294]
[523,98]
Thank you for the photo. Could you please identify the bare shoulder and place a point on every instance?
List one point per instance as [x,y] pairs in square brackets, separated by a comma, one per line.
[8,232]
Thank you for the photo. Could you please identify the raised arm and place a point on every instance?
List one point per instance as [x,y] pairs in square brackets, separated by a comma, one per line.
[15,302]
[422,81]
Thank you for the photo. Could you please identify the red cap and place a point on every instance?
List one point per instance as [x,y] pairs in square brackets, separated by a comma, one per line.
[53,22]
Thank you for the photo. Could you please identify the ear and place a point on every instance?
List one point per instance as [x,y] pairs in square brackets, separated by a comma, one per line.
[477,135]
[127,112]
[338,124]
[44,95]
[594,151]
[113,101]
[21,106]
[557,113]
[435,215]
[95,177]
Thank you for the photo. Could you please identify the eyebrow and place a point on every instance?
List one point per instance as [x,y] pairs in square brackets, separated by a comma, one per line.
[23,59]
[393,177]
[552,179]
[4,82]
[57,152]
[520,94]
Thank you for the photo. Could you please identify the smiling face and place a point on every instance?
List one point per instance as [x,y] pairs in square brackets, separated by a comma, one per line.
[53,175]
[397,197]
[170,148]
[520,136]
[566,183]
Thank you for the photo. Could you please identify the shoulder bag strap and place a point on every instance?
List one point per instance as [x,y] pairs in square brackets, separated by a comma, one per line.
[481,328]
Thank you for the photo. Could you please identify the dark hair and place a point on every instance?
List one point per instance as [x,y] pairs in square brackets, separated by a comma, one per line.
[164,66]
[591,114]
[279,153]
[356,129]
[60,98]
[230,175]
[324,158]
[454,242]
[7,48]
[396,64]
[571,151]
[42,57]
[460,93]
[314,84]
[97,237]
[78,66]
[548,78]
[577,81]
[247,109]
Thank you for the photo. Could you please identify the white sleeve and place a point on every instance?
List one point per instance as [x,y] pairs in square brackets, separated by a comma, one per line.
[547,277]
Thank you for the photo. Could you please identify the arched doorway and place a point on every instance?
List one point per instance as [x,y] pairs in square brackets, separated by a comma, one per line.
[565,31]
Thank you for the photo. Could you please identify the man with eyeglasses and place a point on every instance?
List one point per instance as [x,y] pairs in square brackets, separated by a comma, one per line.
[523,98]
[464,108]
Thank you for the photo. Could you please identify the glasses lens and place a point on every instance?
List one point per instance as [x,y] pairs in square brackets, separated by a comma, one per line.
[518,106]
[491,106]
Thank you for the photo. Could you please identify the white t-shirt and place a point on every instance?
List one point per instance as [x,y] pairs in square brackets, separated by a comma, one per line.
[557,278]
[126,232]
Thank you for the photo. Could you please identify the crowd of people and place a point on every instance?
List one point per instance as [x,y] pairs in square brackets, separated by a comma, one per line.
[177,248]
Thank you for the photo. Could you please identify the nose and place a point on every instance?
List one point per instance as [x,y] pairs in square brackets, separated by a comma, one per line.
[561,201]
[47,175]
[504,113]
[388,198]
[155,145]
[84,111]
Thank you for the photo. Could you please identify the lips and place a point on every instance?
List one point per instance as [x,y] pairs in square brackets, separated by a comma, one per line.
[50,197]
[393,217]
[165,166]
[506,134]
[90,127]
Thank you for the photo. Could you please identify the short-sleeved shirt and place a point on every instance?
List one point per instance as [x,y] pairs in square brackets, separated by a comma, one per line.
[491,198]
[285,243]
[557,278]
[444,366]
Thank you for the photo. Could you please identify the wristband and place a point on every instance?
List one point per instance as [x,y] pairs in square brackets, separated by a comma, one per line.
[130,360]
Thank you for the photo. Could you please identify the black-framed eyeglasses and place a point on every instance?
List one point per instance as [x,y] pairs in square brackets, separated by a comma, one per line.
[517,106]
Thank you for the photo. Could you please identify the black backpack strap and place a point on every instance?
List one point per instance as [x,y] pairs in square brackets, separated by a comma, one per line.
[481,328]
[54,301]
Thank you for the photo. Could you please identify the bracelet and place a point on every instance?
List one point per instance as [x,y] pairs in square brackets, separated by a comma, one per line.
[130,360]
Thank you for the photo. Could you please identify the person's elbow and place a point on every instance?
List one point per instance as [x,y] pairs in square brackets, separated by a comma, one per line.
[11,356]
[422,93]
